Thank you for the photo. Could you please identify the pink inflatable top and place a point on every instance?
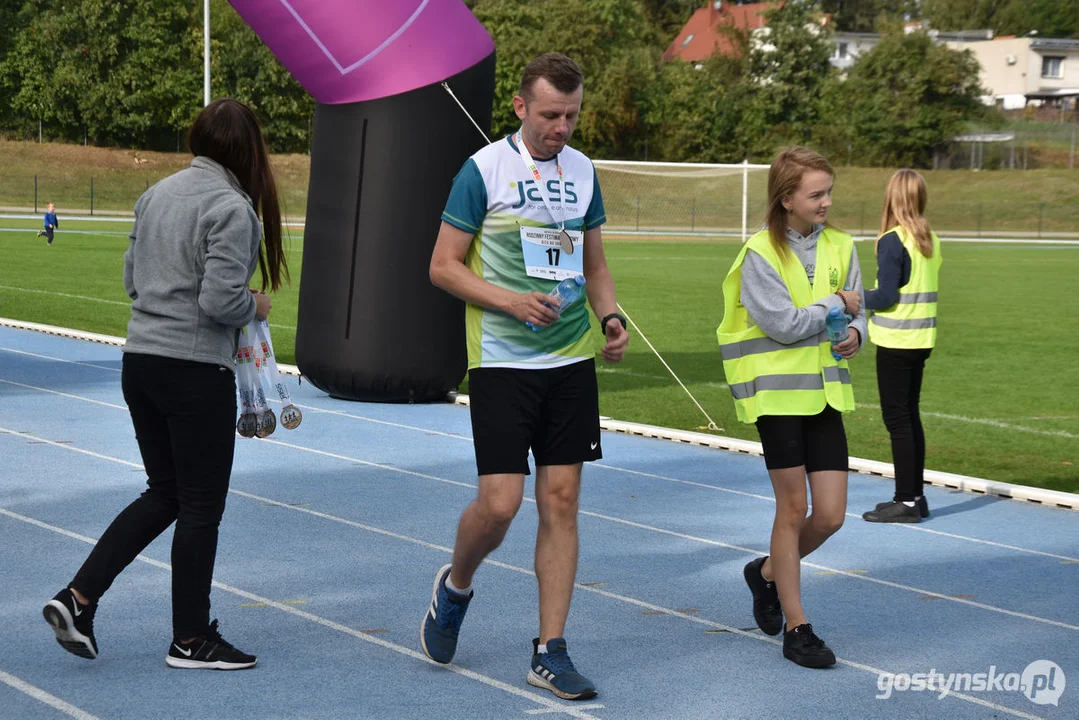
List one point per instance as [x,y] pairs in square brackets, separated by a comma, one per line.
[345,51]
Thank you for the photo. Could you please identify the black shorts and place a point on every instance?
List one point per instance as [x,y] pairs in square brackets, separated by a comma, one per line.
[816,441]
[553,411]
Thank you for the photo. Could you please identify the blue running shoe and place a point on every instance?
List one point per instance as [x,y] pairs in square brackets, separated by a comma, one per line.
[554,671]
[442,622]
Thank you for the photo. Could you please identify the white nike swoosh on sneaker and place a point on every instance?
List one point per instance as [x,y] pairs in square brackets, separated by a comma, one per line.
[185,653]
[594,445]
[77,611]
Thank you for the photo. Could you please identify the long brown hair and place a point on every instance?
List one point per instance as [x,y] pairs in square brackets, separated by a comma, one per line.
[904,204]
[784,176]
[229,133]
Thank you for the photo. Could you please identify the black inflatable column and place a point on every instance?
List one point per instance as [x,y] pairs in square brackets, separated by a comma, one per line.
[371,325]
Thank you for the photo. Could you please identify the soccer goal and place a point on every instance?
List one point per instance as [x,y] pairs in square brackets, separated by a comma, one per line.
[656,199]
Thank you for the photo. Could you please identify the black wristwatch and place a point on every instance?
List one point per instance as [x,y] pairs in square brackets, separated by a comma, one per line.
[608,318]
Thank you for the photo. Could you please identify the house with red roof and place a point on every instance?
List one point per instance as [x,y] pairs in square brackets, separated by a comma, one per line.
[702,37]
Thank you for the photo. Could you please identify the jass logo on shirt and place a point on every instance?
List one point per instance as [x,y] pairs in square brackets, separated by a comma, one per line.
[533,194]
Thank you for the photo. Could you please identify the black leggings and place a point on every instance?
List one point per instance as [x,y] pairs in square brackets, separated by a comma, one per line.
[899,379]
[185,422]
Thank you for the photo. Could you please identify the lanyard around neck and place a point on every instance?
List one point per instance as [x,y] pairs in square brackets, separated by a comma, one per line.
[526,158]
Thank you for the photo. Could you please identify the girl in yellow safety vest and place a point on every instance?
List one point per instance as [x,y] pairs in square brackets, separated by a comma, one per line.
[904,329]
[784,377]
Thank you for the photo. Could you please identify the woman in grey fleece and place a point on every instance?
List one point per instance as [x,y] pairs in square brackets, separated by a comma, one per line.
[195,245]
[793,382]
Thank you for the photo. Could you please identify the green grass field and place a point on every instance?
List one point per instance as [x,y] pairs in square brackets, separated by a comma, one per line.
[1000,393]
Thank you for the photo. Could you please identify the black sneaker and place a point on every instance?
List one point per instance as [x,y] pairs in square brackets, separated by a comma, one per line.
[766,609]
[893,512]
[209,651]
[802,646]
[73,624]
[922,503]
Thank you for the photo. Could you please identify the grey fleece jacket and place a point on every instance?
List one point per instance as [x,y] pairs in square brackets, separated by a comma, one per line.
[769,303]
[194,248]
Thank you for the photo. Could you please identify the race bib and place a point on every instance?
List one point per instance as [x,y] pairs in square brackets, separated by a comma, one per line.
[545,253]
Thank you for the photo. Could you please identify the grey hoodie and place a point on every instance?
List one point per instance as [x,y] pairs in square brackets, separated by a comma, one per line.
[194,248]
[769,303]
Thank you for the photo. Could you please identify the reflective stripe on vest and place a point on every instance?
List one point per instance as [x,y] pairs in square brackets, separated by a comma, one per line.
[912,322]
[767,377]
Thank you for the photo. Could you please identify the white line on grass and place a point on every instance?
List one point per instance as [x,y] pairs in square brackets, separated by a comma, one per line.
[61,233]
[88,298]
[554,707]
[55,293]
[630,523]
[40,695]
[991,423]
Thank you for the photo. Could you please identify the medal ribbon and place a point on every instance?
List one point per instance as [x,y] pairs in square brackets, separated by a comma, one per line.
[531,165]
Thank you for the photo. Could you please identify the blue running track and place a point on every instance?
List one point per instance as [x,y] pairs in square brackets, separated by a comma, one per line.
[333,533]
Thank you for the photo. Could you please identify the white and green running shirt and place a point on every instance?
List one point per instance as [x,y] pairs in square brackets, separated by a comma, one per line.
[494,196]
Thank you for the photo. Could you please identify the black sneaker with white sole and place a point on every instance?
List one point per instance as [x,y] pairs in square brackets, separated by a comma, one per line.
[209,651]
[73,624]
[922,503]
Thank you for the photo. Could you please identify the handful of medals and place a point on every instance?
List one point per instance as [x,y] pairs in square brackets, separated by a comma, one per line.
[256,369]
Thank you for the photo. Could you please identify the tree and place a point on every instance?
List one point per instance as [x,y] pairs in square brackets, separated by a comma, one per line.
[963,14]
[908,96]
[109,72]
[245,69]
[668,17]
[1047,18]
[863,15]
[695,112]
[612,42]
[790,70]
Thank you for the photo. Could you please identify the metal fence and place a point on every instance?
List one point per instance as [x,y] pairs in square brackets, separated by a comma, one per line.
[646,199]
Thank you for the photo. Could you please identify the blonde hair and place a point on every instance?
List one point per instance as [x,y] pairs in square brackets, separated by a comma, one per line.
[904,204]
[784,177]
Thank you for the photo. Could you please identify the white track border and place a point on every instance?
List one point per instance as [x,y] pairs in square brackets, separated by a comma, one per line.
[951,481]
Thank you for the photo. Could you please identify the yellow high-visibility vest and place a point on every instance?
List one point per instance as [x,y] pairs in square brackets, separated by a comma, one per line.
[766,377]
[912,322]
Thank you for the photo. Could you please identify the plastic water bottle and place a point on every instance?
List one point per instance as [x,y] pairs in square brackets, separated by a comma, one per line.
[565,294]
[836,322]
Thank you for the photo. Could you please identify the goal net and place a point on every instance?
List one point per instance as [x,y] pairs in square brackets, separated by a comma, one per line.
[652,199]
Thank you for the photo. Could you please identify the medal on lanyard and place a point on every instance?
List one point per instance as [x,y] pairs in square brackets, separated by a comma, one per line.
[291,417]
[245,382]
[564,240]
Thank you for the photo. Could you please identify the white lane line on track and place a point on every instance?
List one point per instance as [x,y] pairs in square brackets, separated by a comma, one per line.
[48,699]
[605,466]
[707,486]
[985,421]
[550,704]
[554,707]
[633,524]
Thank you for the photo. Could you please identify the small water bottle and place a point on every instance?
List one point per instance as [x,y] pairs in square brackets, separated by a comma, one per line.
[565,294]
[836,322]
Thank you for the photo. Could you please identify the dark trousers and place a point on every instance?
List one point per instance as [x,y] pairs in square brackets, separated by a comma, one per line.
[185,422]
[899,379]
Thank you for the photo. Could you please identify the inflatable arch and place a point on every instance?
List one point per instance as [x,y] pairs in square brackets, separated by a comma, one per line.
[388,140]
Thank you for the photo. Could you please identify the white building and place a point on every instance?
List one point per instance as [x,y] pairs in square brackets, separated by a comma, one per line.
[1018,71]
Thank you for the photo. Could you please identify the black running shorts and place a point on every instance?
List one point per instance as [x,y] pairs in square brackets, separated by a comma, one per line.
[816,441]
[553,411]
